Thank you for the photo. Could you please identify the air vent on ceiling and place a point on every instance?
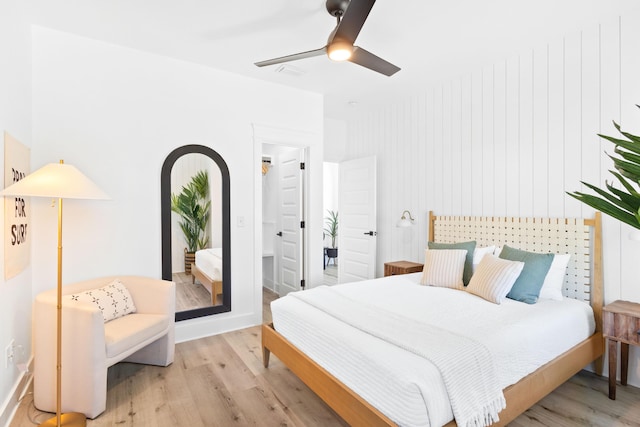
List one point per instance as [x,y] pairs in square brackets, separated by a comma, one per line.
[290,70]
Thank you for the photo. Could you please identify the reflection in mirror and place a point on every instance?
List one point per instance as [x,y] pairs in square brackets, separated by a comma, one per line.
[195,230]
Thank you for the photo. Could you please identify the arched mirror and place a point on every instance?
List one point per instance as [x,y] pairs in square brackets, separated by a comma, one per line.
[196,246]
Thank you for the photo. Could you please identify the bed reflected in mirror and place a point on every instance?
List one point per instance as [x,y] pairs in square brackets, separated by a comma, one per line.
[195,230]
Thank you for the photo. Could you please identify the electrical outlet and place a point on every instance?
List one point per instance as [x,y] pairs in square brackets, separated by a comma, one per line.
[10,353]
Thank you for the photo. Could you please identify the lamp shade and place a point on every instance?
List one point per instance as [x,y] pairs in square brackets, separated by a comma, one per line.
[56,180]
[404,222]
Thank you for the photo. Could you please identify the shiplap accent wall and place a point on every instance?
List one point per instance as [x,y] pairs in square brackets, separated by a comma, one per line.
[505,139]
[509,139]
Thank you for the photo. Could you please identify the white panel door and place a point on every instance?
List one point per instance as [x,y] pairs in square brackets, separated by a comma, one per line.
[357,220]
[289,221]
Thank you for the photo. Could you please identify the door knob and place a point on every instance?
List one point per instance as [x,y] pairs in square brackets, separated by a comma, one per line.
[279,233]
[371,233]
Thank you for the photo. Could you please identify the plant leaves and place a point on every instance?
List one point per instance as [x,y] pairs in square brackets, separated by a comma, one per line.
[632,170]
[610,198]
[628,199]
[626,184]
[607,208]
[635,148]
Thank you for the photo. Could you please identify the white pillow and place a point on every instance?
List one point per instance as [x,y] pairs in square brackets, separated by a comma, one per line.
[494,278]
[113,300]
[444,268]
[479,253]
[553,281]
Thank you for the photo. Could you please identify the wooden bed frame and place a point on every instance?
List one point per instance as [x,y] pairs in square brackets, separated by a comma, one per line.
[519,396]
[213,286]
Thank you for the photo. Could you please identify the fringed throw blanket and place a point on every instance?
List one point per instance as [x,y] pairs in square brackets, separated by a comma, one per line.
[466,366]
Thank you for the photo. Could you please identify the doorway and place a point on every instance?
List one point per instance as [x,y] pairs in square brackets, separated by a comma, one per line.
[283,218]
[330,208]
[349,193]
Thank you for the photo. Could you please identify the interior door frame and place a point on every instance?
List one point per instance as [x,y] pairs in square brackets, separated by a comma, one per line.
[312,143]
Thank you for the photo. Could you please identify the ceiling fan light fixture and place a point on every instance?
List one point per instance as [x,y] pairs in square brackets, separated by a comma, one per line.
[340,51]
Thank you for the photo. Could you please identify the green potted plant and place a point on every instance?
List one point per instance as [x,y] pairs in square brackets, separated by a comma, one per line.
[193,205]
[618,203]
[331,230]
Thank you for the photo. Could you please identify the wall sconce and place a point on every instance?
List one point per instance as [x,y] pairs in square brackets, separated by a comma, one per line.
[404,221]
[266,165]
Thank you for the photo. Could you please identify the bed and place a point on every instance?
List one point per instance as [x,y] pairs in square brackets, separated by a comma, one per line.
[358,406]
[208,271]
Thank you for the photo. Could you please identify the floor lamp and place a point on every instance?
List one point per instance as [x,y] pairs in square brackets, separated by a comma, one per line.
[58,181]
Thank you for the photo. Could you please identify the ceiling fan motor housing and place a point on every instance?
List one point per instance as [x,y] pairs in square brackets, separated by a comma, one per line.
[336,8]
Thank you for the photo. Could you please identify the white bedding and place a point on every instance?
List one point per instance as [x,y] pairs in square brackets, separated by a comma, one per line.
[406,387]
[209,261]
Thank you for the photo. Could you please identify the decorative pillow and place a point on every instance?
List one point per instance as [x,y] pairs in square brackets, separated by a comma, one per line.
[444,268]
[479,253]
[113,300]
[468,263]
[552,286]
[536,266]
[494,278]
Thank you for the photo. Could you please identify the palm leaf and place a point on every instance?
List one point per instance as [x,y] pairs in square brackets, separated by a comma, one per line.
[628,199]
[607,208]
[627,134]
[612,199]
[631,146]
[621,205]
[626,184]
[193,206]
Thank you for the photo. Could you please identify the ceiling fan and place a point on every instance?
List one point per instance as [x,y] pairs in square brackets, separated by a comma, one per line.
[351,15]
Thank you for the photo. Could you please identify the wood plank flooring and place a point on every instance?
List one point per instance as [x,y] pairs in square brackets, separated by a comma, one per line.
[190,295]
[220,381]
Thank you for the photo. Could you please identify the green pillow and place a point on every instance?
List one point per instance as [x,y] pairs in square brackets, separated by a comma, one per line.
[468,262]
[536,266]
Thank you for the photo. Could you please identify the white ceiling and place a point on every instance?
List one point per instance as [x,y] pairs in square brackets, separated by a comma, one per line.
[429,39]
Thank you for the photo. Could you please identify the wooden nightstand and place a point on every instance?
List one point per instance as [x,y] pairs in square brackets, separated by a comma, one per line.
[621,324]
[401,267]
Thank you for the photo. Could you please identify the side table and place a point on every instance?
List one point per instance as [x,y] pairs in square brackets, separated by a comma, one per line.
[621,321]
[401,267]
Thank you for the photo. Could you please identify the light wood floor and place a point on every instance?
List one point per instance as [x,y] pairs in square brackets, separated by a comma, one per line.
[190,295]
[220,381]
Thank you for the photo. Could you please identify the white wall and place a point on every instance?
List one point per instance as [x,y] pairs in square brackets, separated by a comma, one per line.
[335,140]
[15,118]
[509,139]
[116,113]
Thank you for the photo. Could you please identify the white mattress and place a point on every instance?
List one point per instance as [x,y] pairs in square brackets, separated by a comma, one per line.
[405,387]
[209,261]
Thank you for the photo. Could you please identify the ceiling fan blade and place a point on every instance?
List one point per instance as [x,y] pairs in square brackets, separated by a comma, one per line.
[372,62]
[294,57]
[353,20]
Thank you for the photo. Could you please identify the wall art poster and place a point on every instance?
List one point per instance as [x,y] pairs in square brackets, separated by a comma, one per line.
[17,240]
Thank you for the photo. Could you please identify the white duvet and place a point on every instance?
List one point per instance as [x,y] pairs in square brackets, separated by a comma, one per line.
[209,261]
[406,387]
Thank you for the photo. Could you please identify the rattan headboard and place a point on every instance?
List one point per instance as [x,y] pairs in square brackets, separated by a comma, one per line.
[582,238]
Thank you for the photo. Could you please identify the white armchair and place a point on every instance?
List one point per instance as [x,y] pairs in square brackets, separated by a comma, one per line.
[90,346]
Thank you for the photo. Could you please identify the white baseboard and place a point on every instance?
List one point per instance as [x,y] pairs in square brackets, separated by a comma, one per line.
[13,401]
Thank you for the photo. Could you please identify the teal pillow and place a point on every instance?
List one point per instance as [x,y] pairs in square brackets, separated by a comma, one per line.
[536,266]
[468,262]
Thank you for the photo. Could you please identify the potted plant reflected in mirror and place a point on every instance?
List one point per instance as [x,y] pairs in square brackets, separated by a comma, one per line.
[193,205]
[331,230]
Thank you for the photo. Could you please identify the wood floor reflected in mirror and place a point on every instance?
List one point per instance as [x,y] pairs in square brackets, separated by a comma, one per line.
[192,294]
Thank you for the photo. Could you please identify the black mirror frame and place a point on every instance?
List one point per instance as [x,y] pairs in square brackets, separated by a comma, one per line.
[165,209]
